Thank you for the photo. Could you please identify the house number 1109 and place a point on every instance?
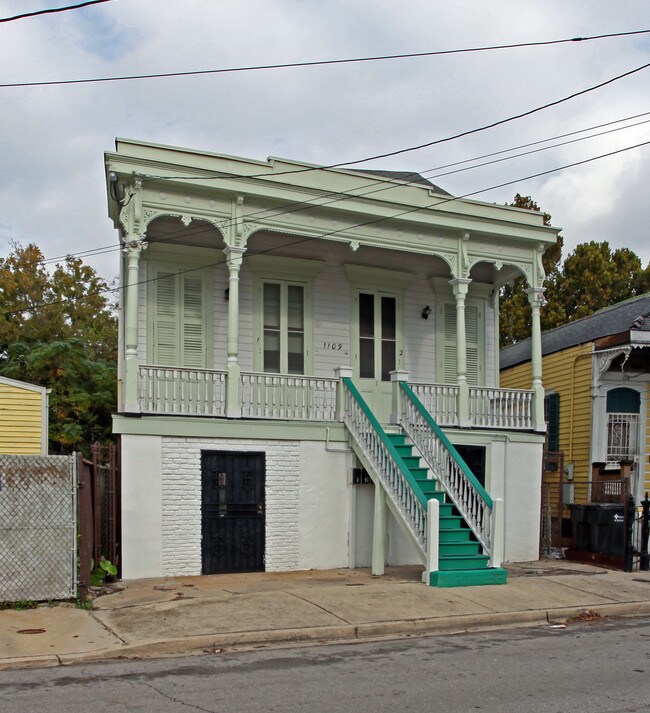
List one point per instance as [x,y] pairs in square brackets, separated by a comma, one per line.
[336,346]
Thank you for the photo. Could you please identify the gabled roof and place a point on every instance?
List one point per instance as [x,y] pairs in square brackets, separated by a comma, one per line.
[632,314]
[406,176]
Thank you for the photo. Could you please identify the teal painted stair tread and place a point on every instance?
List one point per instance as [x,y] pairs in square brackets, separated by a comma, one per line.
[458,548]
[468,577]
[455,534]
[460,561]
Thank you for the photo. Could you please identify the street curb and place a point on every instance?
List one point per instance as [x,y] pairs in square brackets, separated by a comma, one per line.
[215,643]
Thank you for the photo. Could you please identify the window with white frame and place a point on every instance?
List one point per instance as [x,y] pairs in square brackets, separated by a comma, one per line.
[283,321]
[623,406]
[283,327]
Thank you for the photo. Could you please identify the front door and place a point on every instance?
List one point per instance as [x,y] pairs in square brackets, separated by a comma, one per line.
[232,512]
[378,348]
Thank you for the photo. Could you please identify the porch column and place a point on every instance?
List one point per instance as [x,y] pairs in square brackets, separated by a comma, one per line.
[379,531]
[234,257]
[460,287]
[535,297]
[133,249]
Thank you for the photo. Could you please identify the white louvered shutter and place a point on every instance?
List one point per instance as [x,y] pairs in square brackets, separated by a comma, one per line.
[449,365]
[473,342]
[193,327]
[166,335]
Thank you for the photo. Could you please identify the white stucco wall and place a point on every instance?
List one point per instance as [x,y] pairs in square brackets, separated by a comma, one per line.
[324,494]
[307,504]
[141,506]
[515,476]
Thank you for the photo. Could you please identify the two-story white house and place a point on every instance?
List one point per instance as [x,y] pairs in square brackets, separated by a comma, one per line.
[309,371]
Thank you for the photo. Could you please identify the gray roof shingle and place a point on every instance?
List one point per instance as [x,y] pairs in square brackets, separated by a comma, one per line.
[630,314]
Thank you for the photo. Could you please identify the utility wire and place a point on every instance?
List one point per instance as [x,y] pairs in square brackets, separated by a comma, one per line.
[331,233]
[316,63]
[396,152]
[51,11]
[343,195]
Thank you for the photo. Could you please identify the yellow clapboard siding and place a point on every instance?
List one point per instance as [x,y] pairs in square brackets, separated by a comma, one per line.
[21,420]
[568,373]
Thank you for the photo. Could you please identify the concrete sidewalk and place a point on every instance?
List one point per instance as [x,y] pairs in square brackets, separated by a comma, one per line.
[189,615]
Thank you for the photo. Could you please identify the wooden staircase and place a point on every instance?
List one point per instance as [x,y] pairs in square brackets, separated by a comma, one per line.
[461,560]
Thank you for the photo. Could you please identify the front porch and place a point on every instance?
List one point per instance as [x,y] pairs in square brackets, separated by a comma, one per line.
[177,391]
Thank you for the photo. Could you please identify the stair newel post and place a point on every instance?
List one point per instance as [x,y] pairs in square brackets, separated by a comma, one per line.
[341,372]
[497,539]
[397,400]
[433,539]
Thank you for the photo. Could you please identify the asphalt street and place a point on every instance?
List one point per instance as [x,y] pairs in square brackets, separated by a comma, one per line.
[599,667]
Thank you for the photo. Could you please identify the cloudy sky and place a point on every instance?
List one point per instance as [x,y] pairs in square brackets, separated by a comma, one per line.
[52,138]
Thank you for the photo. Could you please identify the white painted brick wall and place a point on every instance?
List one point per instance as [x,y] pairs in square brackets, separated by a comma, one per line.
[181,501]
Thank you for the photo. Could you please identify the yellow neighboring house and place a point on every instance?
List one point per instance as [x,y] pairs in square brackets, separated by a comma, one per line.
[596,374]
[23,418]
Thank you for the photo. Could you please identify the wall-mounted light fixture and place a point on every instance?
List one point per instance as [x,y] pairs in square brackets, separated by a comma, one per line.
[226,294]
[426,311]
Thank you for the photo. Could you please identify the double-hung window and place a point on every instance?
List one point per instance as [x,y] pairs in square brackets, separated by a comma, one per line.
[283,321]
[283,330]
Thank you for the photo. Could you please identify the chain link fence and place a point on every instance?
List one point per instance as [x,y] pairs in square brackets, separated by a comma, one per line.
[38,528]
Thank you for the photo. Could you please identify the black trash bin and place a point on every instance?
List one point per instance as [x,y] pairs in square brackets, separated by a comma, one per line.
[599,528]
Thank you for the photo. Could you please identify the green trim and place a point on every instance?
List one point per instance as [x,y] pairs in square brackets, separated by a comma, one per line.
[196,427]
[447,444]
[386,442]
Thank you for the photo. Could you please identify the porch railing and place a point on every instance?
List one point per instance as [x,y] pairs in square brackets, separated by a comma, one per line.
[501,408]
[180,391]
[395,477]
[446,464]
[488,407]
[440,400]
[288,397]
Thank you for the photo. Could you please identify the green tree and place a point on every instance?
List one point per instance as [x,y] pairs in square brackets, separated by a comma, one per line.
[59,330]
[73,301]
[515,311]
[594,277]
[590,278]
[83,389]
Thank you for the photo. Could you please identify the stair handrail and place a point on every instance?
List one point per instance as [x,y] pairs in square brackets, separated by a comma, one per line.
[398,482]
[447,465]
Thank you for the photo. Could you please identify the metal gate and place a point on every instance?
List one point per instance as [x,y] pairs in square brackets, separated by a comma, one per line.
[38,527]
[232,512]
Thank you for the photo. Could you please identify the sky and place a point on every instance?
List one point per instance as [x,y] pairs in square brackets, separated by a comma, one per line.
[53,138]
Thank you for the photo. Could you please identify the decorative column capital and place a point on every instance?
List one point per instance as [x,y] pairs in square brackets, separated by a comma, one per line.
[234,255]
[460,286]
[134,246]
[536,296]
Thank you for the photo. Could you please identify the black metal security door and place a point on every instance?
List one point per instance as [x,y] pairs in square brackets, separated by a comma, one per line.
[232,512]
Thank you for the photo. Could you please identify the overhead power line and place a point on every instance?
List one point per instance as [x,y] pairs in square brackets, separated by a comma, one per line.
[316,63]
[430,173]
[331,233]
[52,10]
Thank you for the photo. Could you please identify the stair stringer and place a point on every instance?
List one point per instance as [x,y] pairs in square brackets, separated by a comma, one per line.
[390,500]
